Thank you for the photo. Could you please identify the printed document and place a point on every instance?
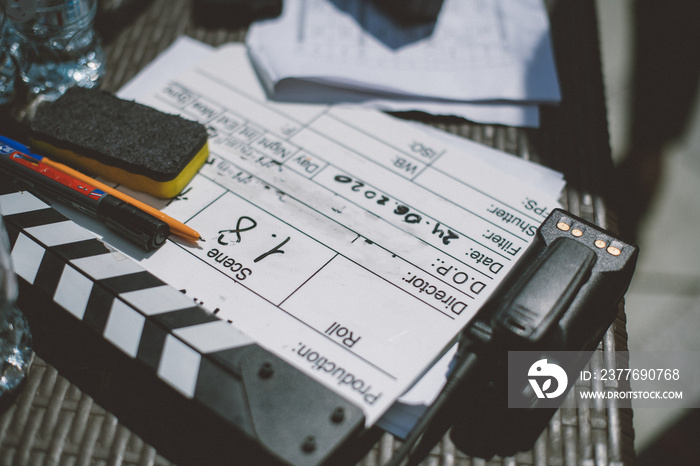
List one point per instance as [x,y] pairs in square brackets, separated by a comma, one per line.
[352,244]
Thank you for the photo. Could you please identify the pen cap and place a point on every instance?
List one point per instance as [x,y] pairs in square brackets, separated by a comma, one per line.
[127,220]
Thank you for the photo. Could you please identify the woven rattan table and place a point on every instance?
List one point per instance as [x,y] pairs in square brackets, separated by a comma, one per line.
[54,421]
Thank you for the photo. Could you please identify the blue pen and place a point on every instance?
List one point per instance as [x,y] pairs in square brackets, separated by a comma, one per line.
[15,145]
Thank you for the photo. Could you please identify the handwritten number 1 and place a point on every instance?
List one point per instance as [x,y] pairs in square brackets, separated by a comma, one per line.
[276,250]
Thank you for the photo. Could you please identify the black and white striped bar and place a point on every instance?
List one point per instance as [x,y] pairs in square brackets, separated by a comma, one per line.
[136,294]
[147,319]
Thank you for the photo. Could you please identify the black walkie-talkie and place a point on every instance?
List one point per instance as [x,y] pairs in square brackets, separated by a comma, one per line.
[561,297]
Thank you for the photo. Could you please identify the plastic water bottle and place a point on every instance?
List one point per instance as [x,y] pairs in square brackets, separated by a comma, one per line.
[7,66]
[57,46]
[16,354]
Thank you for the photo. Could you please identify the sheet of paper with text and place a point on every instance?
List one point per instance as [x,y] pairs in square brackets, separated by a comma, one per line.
[350,243]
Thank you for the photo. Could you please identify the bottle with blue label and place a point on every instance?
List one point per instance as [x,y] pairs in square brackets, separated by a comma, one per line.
[56,44]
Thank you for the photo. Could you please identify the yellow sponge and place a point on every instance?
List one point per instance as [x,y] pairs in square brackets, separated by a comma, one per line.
[120,140]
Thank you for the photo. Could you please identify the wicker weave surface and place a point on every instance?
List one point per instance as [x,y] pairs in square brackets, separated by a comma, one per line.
[54,423]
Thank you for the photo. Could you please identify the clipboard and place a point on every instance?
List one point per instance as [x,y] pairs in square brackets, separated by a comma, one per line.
[202,390]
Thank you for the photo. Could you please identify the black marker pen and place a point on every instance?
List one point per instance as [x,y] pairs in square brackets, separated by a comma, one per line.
[137,226]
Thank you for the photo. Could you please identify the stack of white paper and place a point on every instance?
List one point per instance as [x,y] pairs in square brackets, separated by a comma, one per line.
[487,61]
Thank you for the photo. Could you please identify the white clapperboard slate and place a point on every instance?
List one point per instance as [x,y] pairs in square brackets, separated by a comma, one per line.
[192,385]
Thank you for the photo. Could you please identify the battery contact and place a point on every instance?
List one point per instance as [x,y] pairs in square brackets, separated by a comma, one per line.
[600,244]
[563,225]
[615,248]
[577,232]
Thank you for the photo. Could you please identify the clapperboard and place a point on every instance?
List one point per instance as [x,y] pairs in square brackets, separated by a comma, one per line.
[209,390]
